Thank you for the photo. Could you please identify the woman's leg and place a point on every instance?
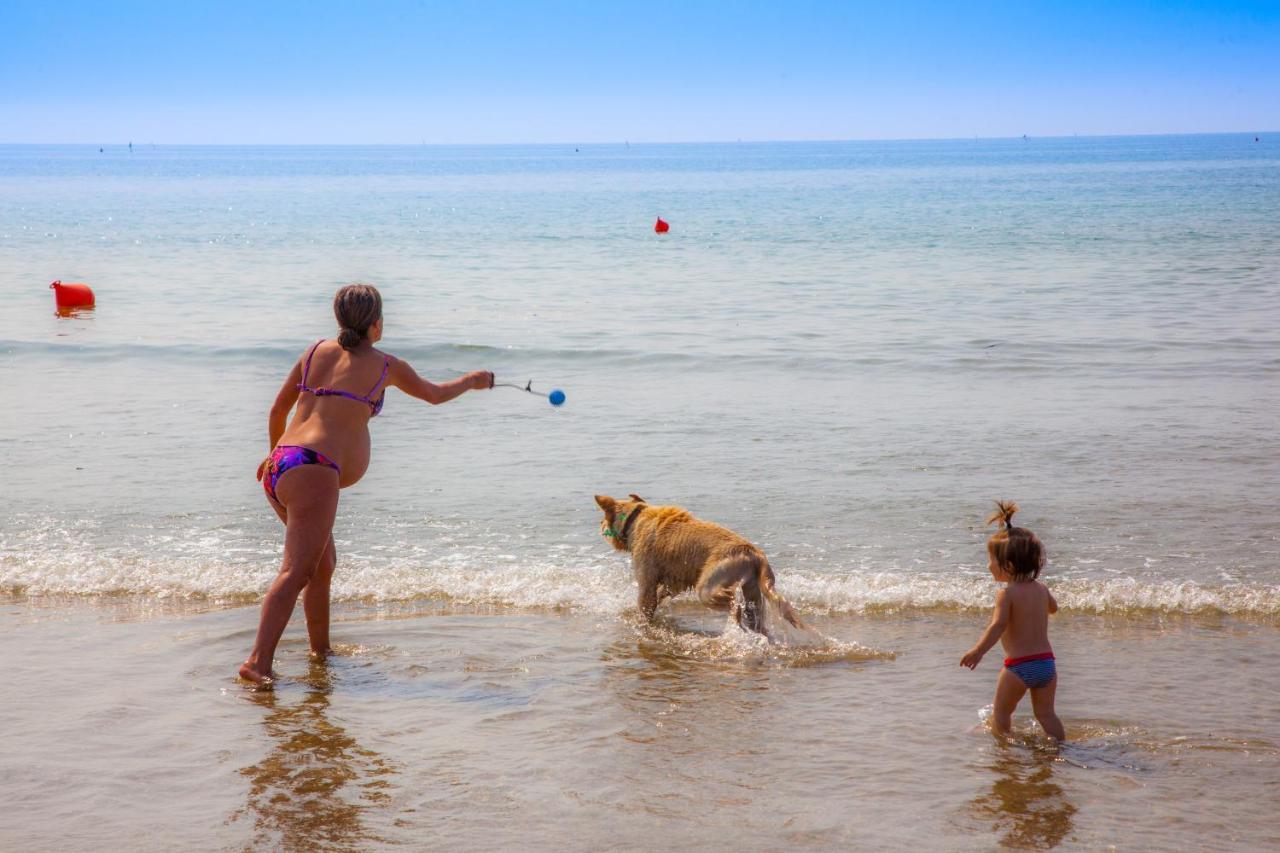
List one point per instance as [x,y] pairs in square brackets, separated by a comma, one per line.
[310,495]
[315,595]
[315,602]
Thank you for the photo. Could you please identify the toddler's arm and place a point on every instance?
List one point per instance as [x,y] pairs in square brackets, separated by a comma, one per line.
[1053,602]
[999,619]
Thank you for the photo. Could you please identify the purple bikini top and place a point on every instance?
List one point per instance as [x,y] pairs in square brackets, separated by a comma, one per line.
[374,405]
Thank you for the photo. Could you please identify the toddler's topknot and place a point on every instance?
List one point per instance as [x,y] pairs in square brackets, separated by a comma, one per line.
[1015,549]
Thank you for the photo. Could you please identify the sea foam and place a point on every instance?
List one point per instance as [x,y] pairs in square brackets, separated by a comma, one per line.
[580,579]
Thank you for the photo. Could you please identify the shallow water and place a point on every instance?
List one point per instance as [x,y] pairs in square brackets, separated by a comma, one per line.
[462,728]
[843,351]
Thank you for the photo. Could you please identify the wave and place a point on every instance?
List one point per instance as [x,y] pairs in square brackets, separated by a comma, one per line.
[273,352]
[418,354]
[878,592]
[574,579]
[1234,357]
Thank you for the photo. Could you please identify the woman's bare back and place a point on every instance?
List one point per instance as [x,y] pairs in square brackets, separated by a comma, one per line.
[331,423]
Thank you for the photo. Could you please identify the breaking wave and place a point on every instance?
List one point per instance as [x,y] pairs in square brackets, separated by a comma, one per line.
[574,577]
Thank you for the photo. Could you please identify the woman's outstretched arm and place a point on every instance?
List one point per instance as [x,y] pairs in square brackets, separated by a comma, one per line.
[407,380]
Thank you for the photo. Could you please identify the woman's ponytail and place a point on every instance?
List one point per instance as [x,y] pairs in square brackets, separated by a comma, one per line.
[349,338]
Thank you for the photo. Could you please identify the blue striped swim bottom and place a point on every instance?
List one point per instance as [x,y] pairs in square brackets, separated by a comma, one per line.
[1033,670]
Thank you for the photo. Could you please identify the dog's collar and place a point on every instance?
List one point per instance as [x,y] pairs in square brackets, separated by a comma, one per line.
[628,518]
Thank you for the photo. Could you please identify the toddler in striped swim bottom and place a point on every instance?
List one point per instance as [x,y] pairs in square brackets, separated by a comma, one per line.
[1021,624]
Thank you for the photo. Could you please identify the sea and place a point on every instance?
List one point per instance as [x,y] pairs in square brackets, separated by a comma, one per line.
[844,351]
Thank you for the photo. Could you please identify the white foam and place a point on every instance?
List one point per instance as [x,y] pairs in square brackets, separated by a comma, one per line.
[783,644]
[568,577]
[861,592]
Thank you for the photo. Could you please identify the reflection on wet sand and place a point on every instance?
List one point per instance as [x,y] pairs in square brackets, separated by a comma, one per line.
[313,789]
[693,723]
[655,683]
[1025,805]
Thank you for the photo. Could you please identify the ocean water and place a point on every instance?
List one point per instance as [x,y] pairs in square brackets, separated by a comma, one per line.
[844,351]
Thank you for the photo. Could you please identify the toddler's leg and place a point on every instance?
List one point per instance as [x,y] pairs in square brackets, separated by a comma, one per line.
[1009,691]
[1042,704]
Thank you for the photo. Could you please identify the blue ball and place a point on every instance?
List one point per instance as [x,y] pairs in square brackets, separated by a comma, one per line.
[556,397]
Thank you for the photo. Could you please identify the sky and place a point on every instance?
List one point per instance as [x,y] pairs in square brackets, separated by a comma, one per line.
[486,71]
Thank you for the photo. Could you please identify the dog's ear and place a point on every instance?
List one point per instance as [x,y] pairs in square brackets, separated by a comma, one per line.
[606,503]
[636,498]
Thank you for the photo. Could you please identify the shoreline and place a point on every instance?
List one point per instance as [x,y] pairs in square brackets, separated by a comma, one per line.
[141,605]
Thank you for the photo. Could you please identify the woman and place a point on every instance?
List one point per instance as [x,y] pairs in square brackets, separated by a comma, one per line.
[326,448]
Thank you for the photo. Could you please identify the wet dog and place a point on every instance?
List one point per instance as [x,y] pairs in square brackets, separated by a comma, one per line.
[671,551]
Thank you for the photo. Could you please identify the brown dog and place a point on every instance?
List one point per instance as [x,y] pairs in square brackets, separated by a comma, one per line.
[671,551]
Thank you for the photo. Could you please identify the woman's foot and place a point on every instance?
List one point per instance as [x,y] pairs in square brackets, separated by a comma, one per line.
[260,679]
[319,655]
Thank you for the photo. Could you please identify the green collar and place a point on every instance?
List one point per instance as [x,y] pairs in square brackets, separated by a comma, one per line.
[623,521]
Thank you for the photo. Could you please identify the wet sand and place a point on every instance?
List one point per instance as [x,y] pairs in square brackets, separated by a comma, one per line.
[465,728]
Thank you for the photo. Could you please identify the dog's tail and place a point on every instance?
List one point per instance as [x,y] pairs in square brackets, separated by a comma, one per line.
[784,607]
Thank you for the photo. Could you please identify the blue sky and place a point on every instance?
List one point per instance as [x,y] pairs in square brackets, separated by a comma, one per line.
[407,72]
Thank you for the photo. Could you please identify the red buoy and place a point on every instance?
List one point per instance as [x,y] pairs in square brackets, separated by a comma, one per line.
[661,226]
[72,295]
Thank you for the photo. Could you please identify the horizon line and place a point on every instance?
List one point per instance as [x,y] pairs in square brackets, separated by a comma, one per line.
[624,142]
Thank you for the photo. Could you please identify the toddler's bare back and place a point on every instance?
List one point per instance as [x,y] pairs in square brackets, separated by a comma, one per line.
[1027,633]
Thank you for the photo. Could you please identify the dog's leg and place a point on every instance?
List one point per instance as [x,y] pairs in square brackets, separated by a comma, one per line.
[647,601]
[751,614]
[716,586]
[766,586]
[648,581]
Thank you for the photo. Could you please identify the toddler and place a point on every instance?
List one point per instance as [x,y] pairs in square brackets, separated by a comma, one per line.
[1021,623]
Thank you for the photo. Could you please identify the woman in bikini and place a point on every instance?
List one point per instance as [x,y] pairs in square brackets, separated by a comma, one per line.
[323,449]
